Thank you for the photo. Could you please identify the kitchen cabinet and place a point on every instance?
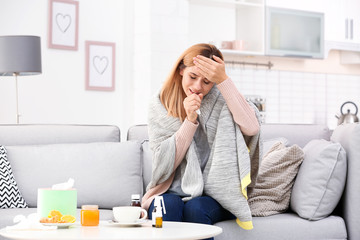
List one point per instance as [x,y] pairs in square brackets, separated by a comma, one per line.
[244,21]
[342,25]
[294,33]
[335,21]
[229,20]
[304,5]
[250,28]
[353,15]
[342,20]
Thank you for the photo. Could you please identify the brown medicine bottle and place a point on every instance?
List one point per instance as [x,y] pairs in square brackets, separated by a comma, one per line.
[135,200]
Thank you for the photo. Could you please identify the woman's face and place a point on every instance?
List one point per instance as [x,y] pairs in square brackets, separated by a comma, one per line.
[194,82]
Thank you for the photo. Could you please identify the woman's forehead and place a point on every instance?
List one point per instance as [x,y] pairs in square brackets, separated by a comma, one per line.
[194,70]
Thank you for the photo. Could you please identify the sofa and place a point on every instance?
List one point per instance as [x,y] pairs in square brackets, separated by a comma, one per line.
[107,171]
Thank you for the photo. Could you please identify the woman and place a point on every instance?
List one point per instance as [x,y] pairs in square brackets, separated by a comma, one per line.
[197,121]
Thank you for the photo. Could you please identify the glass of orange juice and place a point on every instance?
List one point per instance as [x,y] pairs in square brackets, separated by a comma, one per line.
[90,215]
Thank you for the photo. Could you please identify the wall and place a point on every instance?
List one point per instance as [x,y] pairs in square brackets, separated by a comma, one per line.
[149,36]
[299,97]
[160,36]
[58,95]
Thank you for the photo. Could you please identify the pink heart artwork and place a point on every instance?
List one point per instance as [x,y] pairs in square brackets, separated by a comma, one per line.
[63,22]
[100,64]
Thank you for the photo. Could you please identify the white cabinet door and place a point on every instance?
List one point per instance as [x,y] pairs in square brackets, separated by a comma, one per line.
[342,21]
[353,16]
[335,21]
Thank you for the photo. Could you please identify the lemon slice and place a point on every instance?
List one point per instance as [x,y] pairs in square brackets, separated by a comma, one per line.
[54,213]
[68,218]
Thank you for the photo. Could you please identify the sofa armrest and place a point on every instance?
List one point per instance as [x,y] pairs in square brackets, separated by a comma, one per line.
[348,135]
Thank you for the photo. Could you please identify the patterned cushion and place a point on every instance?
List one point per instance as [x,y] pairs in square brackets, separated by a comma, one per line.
[10,196]
[268,143]
[277,172]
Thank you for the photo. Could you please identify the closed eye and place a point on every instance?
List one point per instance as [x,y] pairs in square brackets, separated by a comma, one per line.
[193,75]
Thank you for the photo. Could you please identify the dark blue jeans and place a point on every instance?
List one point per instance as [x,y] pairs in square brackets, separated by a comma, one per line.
[202,209]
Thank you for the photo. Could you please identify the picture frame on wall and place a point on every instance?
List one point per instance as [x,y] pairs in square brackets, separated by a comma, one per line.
[100,66]
[63,24]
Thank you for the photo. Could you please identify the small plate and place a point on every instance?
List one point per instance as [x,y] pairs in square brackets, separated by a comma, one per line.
[59,225]
[127,224]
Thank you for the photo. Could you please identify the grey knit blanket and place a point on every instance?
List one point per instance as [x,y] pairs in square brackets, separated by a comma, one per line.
[233,163]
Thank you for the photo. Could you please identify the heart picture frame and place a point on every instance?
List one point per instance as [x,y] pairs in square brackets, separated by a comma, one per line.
[63,24]
[100,66]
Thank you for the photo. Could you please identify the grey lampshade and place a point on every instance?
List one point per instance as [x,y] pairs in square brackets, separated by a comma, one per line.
[20,54]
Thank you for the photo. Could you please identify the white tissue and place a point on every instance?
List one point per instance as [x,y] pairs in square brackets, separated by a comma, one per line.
[31,222]
[198,111]
[64,186]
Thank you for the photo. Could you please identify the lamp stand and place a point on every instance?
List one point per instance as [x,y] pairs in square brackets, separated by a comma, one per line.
[17,98]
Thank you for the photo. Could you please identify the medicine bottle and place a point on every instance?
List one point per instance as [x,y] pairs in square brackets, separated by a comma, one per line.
[153,217]
[90,215]
[135,200]
[157,217]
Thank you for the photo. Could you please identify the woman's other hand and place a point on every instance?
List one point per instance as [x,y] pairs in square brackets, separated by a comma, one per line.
[213,70]
[191,104]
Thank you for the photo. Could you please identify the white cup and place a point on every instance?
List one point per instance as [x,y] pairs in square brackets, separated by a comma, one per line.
[129,214]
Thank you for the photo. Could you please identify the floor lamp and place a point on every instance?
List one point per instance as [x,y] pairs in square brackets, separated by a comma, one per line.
[19,56]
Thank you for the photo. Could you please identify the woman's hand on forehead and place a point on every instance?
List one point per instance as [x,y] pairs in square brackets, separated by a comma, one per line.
[213,70]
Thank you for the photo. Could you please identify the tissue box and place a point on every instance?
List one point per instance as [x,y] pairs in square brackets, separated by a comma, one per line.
[64,201]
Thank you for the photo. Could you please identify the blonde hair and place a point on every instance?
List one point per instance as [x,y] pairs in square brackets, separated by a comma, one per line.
[172,94]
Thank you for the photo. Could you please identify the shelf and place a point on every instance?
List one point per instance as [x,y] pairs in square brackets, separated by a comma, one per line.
[236,20]
[236,52]
[230,3]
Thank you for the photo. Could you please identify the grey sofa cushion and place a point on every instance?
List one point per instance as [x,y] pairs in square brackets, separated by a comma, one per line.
[285,226]
[147,163]
[348,135]
[320,181]
[138,132]
[105,174]
[299,134]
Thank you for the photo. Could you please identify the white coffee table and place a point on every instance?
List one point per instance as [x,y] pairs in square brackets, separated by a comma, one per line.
[108,231]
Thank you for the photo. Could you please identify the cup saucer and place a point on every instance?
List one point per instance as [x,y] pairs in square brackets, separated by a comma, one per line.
[59,225]
[127,224]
